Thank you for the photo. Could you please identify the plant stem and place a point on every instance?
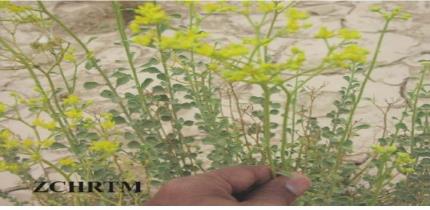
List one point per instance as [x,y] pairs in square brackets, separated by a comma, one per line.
[285,126]
[266,127]
[348,127]
[415,102]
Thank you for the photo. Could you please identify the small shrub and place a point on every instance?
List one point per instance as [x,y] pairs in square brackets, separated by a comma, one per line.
[144,136]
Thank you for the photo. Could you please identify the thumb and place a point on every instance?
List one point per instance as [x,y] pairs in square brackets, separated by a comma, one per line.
[279,191]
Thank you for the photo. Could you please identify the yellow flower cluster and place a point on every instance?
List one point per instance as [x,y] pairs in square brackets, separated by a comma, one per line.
[295,18]
[349,34]
[324,33]
[187,40]
[67,162]
[72,100]
[218,7]
[13,8]
[74,114]
[12,167]
[7,140]
[105,147]
[389,15]
[148,14]
[49,125]
[382,150]
[351,54]
[296,60]
[145,39]
[231,50]
[404,163]
[3,108]
[343,33]
[266,7]
[266,72]
[107,123]
[69,55]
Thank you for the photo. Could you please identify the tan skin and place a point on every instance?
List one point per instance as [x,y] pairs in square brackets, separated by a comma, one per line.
[239,185]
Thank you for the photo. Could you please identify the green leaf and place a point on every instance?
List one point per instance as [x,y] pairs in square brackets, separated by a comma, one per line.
[151,62]
[90,85]
[151,70]
[107,94]
[189,123]
[147,82]
[362,126]
[133,145]
[57,145]
[119,120]
[89,65]
[129,136]
[158,89]
[162,77]
[256,99]
[122,80]
[178,88]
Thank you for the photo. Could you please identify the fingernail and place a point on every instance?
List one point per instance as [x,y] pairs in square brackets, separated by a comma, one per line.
[298,184]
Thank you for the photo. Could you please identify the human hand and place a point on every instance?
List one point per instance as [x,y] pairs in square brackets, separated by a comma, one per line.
[239,185]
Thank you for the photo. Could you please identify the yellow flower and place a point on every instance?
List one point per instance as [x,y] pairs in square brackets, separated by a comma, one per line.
[234,76]
[183,40]
[13,8]
[218,7]
[46,143]
[297,59]
[348,55]
[404,163]
[67,162]
[145,39]
[69,56]
[4,4]
[72,100]
[384,150]
[406,16]
[10,144]
[105,147]
[256,74]
[267,7]
[27,143]
[134,27]
[12,167]
[88,123]
[389,15]
[295,13]
[149,14]
[232,50]
[324,33]
[3,108]
[294,17]
[74,114]
[36,157]
[354,53]
[3,164]
[349,34]
[5,134]
[108,123]
[38,122]
[205,49]
[375,8]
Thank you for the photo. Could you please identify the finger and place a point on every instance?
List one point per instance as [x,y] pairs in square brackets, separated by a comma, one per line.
[279,191]
[240,178]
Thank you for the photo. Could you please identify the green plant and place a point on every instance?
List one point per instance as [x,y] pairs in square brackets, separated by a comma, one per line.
[144,135]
